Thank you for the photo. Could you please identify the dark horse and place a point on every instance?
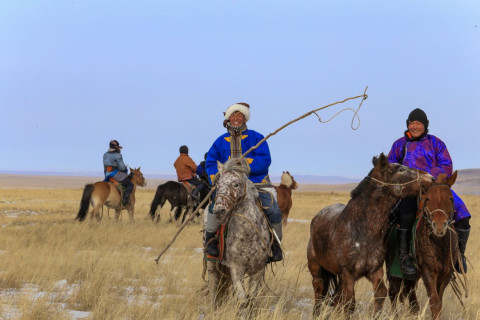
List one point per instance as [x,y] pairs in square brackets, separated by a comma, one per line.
[347,242]
[105,193]
[436,248]
[178,197]
[284,194]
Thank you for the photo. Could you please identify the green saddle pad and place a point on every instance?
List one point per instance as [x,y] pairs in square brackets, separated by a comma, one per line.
[394,267]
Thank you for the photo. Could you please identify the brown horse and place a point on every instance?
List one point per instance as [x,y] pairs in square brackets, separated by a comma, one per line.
[436,247]
[347,242]
[284,194]
[104,193]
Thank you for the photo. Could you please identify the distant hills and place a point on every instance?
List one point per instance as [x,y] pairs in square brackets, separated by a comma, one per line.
[468,180]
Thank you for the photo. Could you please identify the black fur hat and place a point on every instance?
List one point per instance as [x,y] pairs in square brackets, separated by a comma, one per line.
[184,149]
[418,115]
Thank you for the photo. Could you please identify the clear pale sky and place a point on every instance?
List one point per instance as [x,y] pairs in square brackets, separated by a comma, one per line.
[158,74]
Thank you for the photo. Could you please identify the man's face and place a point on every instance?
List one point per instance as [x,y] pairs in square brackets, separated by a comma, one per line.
[416,128]
[237,119]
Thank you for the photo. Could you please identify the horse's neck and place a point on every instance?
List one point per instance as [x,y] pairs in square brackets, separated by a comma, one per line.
[287,189]
[372,205]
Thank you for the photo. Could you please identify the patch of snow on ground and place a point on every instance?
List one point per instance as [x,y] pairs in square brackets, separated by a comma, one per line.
[299,220]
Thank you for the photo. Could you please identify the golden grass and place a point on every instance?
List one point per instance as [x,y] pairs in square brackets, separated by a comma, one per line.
[51,266]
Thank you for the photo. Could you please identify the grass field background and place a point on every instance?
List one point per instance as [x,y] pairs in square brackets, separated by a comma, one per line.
[52,267]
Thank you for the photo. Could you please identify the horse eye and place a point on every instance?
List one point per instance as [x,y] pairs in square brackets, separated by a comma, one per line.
[402,169]
[236,185]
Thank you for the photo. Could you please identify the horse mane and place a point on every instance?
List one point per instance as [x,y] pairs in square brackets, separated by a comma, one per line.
[236,165]
[361,186]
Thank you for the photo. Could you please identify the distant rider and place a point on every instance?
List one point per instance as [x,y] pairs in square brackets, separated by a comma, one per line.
[114,168]
[186,167]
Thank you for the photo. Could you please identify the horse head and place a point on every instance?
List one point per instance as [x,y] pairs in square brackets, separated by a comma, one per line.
[288,181]
[137,178]
[436,204]
[399,180]
[232,188]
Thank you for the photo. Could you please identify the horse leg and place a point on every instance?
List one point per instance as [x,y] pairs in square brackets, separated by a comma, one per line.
[379,289]
[412,295]
[237,281]
[117,214]
[318,285]
[348,291]
[430,282]
[131,211]
[213,281]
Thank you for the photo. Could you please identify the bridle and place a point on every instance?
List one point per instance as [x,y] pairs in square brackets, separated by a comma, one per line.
[387,184]
[234,202]
[427,214]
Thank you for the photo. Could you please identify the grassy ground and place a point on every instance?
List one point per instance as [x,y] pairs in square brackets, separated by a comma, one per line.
[52,267]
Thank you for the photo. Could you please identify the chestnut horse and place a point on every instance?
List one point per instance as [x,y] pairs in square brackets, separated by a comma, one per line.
[347,242]
[103,193]
[436,247]
[284,194]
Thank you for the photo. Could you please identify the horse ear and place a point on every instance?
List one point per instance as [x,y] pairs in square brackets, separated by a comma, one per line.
[452,178]
[138,169]
[374,161]
[220,167]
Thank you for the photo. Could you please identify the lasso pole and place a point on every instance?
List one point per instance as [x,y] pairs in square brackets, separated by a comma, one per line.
[364,96]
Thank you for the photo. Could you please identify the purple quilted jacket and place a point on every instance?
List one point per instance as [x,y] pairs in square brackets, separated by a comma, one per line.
[429,154]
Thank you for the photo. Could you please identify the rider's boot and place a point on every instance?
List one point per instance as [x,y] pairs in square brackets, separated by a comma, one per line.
[277,254]
[211,244]
[463,235]
[408,267]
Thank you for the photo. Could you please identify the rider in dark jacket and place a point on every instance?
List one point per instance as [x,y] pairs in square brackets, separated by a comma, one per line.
[114,168]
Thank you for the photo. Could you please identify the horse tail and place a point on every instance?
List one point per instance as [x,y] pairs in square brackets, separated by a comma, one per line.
[85,202]
[156,200]
[331,283]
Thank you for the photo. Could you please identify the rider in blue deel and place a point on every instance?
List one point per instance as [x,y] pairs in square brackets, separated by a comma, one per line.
[237,140]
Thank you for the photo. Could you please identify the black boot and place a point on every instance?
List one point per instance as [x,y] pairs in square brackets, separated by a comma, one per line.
[277,254]
[126,198]
[408,267]
[462,245]
[212,244]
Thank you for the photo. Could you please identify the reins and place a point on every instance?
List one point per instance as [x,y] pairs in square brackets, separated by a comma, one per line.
[387,184]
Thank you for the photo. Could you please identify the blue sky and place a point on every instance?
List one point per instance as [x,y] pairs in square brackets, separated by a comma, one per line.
[158,74]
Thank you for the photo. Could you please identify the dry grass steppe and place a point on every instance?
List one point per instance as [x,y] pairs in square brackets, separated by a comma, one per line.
[52,267]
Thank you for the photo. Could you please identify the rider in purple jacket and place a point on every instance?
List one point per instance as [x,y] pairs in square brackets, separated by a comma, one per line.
[419,150]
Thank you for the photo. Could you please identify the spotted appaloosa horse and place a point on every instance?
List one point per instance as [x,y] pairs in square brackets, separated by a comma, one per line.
[284,194]
[248,237]
[104,193]
[436,247]
[347,242]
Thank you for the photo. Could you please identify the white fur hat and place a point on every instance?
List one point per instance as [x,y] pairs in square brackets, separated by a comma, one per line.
[242,107]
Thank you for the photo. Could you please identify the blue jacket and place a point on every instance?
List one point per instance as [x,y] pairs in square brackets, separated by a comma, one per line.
[429,154]
[114,159]
[259,159]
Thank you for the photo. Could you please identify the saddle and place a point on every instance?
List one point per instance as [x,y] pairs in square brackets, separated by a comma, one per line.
[120,188]
[221,234]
